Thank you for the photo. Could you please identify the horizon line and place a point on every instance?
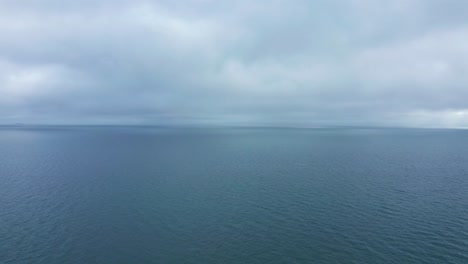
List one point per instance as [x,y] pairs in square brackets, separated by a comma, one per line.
[232,126]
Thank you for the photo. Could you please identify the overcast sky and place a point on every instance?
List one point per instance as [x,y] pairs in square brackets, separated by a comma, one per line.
[243,62]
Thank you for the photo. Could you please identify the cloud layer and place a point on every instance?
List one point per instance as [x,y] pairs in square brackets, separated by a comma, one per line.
[198,62]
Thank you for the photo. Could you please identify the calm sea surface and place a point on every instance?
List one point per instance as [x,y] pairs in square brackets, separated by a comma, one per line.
[159,195]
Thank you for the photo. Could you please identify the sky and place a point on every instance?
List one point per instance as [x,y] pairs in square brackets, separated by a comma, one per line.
[245,62]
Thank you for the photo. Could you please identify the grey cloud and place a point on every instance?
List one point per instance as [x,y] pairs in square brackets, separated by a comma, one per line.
[294,63]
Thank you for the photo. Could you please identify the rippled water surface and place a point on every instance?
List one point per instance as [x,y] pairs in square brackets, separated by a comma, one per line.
[160,195]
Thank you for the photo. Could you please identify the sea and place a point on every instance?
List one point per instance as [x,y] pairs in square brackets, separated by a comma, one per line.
[122,194]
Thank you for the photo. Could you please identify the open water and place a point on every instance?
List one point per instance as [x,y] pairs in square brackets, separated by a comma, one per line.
[232,195]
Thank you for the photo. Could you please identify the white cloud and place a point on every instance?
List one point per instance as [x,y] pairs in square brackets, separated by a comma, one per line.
[20,82]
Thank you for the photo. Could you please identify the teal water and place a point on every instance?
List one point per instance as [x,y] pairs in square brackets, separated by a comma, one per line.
[160,195]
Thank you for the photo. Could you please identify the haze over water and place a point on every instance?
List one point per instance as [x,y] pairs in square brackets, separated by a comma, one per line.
[173,195]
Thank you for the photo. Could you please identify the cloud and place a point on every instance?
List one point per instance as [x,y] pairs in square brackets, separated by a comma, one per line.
[292,63]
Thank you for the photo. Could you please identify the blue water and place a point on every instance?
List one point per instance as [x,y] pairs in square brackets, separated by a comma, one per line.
[162,195]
